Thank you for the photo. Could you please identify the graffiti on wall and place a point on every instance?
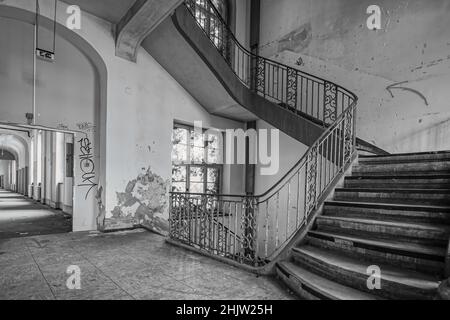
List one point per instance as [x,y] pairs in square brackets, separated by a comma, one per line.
[87,166]
[86,126]
[399,86]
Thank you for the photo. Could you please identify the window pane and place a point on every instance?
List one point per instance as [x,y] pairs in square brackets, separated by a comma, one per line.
[197,140]
[197,155]
[197,174]
[179,174]
[179,153]
[180,135]
[196,187]
[213,175]
[179,142]
[179,187]
[214,146]
[213,180]
[212,188]
[214,156]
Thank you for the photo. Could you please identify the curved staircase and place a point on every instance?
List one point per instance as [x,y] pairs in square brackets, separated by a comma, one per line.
[393,212]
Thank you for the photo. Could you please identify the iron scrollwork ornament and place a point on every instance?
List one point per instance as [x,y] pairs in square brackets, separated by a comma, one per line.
[330,103]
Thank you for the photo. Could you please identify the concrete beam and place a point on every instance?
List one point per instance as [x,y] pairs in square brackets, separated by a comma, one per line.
[140,20]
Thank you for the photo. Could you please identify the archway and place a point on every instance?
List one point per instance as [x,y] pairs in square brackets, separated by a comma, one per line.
[89,137]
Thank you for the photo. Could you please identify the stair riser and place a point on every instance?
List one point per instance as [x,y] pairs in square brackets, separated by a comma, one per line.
[407,261]
[437,238]
[397,184]
[437,199]
[387,215]
[390,290]
[298,287]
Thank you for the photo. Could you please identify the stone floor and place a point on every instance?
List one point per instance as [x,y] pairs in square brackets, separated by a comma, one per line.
[124,265]
[22,217]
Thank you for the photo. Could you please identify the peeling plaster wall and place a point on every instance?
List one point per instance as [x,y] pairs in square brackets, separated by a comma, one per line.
[330,39]
[141,145]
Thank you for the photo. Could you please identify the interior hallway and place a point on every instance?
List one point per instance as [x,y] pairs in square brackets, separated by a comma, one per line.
[123,265]
[22,217]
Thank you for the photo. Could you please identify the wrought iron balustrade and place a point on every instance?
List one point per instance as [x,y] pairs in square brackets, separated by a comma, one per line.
[252,230]
[299,91]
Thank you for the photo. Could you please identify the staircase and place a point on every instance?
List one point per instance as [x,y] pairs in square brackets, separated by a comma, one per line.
[393,212]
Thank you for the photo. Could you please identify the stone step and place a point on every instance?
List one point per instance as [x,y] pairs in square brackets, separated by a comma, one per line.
[352,272]
[309,285]
[429,234]
[426,259]
[388,212]
[399,182]
[419,168]
[405,157]
[440,197]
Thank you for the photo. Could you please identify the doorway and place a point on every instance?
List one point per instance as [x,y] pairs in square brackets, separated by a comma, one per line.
[36,182]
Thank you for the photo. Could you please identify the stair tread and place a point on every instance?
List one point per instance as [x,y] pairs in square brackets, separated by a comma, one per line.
[393,190]
[388,273]
[396,245]
[399,160]
[406,206]
[405,154]
[409,225]
[400,177]
[325,287]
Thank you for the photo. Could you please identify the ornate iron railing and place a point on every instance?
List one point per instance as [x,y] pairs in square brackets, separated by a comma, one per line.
[300,92]
[253,229]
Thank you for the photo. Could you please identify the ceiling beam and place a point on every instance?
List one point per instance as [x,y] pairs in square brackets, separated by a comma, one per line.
[139,21]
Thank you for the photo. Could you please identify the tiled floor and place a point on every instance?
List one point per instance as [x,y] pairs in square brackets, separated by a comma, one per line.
[22,217]
[125,265]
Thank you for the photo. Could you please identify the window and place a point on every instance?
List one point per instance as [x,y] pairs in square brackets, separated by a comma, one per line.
[206,15]
[196,161]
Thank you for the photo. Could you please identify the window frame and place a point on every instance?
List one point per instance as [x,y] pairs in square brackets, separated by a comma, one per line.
[189,164]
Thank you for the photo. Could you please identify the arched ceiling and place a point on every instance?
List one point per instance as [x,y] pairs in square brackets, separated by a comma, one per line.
[6,155]
[15,145]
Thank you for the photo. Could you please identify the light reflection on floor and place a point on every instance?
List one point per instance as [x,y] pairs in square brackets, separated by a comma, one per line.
[20,216]
[124,265]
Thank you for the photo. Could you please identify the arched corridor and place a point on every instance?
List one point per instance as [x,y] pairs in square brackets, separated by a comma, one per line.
[36,182]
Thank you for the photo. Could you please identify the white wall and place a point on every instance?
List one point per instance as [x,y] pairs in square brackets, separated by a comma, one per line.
[242,21]
[330,39]
[290,152]
[66,98]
